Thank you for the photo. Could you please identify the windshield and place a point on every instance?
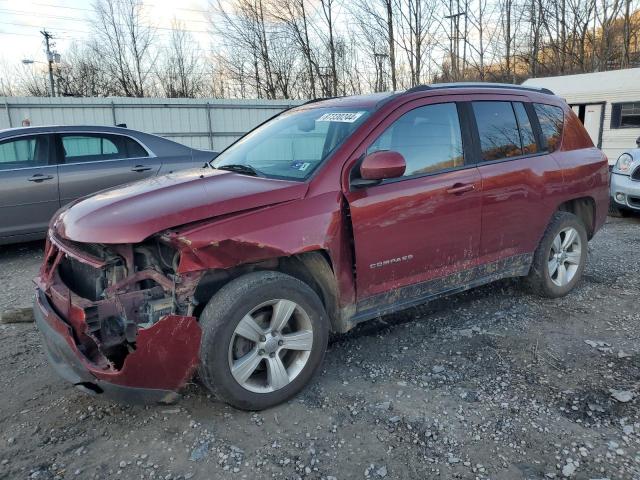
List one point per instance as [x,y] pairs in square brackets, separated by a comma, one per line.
[292,145]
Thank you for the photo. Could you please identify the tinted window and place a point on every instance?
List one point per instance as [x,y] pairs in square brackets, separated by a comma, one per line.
[427,137]
[89,148]
[94,147]
[498,129]
[527,137]
[134,149]
[24,152]
[550,119]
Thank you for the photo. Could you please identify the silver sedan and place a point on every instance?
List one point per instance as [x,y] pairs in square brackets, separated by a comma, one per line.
[44,168]
[625,182]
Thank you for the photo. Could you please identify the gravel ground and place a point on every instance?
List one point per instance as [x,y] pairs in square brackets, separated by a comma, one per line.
[492,383]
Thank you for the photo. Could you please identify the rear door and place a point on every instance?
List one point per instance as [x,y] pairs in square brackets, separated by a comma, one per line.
[94,161]
[426,224]
[28,185]
[519,176]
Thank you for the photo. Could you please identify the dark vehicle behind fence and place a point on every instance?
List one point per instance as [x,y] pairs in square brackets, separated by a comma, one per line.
[44,168]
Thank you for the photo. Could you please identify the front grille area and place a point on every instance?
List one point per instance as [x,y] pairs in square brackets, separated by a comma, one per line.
[634,201]
[82,279]
[635,175]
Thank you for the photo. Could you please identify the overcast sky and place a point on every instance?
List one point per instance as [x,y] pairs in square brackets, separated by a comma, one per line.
[68,20]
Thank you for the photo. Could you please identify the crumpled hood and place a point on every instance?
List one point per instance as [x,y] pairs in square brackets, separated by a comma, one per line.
[132,212]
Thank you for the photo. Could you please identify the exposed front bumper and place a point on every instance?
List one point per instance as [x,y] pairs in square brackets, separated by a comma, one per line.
[165,358]
[623,185]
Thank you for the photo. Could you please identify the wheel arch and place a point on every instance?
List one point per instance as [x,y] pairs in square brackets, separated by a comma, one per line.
[314,268]
[585,209]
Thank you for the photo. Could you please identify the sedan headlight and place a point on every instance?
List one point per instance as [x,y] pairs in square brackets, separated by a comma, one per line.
[623,165]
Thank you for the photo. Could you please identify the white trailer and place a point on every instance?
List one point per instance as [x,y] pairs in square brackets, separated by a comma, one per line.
[608,103]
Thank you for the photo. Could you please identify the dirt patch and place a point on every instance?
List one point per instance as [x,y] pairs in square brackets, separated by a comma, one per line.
[492,383]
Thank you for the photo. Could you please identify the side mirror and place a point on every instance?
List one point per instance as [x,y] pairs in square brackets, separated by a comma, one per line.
[382,164]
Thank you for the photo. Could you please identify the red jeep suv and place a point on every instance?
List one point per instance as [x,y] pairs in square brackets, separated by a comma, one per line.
[327,215]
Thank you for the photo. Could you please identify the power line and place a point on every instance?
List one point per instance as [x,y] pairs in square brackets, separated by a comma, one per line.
[206,12]
[28,25]
[84,21]
[20,34]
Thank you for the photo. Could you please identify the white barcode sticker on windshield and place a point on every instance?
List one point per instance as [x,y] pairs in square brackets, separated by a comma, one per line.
[347,117]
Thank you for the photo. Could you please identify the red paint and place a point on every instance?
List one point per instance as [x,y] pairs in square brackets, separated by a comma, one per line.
[425,227]
[166,354]
[130,213]
[381,165]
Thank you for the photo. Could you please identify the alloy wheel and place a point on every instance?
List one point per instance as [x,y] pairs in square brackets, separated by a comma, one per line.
[565,256]
[270,346]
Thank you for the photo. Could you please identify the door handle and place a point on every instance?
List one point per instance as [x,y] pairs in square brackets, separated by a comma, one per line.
[38,177]
[460,188]
[140,168]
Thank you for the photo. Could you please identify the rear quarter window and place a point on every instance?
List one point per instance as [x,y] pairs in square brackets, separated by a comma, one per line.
[551,120]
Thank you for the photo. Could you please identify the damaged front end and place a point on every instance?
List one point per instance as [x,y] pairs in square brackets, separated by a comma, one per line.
[118,318]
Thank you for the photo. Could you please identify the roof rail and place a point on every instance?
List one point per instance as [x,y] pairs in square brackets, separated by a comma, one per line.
[314,100]
[436,86]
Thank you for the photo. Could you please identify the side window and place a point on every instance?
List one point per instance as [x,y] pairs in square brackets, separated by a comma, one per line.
[24,152]
[134,149]
[92,147]
[498,130]
[551,119]
[527,137]
[428,138]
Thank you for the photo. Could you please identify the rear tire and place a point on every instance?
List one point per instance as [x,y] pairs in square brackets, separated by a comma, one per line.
[560,258]
[264,335]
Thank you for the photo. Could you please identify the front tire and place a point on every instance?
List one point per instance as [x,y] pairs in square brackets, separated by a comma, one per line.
[615,210]
[560,258]
[264,335]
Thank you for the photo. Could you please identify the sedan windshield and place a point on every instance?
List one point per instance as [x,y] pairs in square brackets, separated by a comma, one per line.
[292,145]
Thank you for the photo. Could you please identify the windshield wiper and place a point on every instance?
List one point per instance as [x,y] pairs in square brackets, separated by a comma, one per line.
[238,168]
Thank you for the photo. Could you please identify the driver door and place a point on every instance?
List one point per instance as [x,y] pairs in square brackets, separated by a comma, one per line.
[412,232]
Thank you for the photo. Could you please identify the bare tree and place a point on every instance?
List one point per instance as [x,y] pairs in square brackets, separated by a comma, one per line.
[180,73]
[328,7]
[123,41]
[243,27]
[376,21]
[32,81]
[8,80]
[82,74]
[416,35]
[294,16]
[307,48]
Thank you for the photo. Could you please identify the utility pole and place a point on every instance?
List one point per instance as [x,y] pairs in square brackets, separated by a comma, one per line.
[454,37]
[47,39]
[380,79]
[326,79]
